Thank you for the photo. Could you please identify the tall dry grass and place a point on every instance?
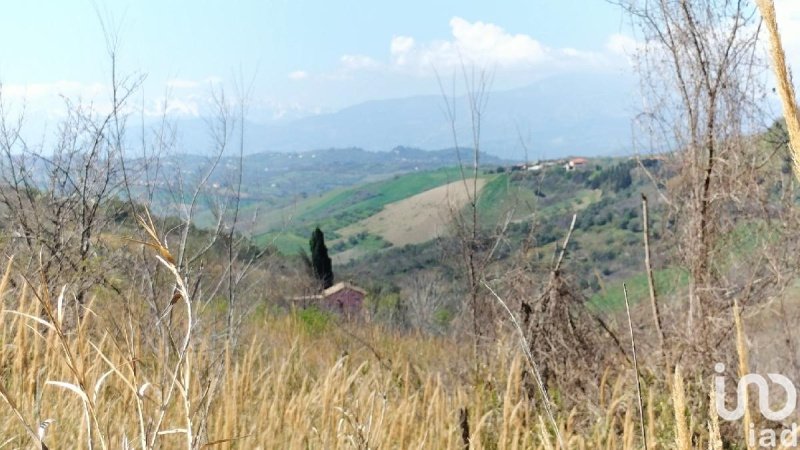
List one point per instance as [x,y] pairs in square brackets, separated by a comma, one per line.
[110,375]
[284,389]
[101,384]
[785,87]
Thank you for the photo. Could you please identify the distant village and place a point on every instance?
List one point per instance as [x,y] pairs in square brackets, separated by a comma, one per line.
[569,164]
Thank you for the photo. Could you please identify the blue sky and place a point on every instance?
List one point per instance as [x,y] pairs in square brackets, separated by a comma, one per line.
[304,56]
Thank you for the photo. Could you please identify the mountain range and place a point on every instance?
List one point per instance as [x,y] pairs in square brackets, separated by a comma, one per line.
[554,117]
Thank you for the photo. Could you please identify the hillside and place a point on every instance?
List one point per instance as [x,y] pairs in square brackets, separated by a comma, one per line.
[390,230]
[342,208]
[419,218]
[605,249]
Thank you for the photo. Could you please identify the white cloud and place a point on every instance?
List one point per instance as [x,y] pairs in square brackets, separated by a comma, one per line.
[181,107]
[353,63]
[402,44]
[185,98]
[479,43]
[488,43]
[180,83]
[358,62]
[472,42]
[298,75]
[64,88]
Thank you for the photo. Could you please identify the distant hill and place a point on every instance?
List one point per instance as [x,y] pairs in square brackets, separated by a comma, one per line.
[389,229]
[338,211]
[272,181]
[414,208]
[277,176]
[557,116]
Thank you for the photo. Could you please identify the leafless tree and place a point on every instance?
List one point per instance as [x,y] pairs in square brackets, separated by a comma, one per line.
[467,222]
[62,195]
[693,66]
[724,211]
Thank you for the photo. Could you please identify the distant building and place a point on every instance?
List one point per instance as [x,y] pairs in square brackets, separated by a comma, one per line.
[527,166]
[343,298]
[575,163]
[578,161]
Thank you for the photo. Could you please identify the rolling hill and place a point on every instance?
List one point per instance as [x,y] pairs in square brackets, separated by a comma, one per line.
[413,234]
[280,181]
[340,212]
[370,224]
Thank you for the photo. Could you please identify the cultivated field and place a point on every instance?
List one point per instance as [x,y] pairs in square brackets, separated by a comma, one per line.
[419,218]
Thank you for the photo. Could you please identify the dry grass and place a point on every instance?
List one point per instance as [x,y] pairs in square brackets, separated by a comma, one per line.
[114,377]
[282,389]
[785,86]
[104,382]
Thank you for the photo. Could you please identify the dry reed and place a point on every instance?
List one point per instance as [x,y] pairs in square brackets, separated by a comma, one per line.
[785,86]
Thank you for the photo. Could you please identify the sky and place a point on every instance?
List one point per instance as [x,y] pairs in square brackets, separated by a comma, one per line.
[303,57]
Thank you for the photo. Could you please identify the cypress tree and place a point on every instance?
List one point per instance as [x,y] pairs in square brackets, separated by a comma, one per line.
[320,261]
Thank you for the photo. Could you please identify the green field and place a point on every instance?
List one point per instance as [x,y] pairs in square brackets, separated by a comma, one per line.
[612,298]
[343,207]
[500,196]
[285,242]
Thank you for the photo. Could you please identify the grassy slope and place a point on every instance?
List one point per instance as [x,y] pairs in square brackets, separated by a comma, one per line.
[503,194]
[667,281]
[366,200]
[419,218]
[339,211]
[340,208]
[500,196]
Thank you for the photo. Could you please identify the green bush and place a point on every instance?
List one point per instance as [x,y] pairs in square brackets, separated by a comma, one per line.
[313,320]
[443,317]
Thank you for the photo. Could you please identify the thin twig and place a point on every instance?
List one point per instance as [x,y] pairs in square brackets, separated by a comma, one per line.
[651,284]
[635,366]
[566,242]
